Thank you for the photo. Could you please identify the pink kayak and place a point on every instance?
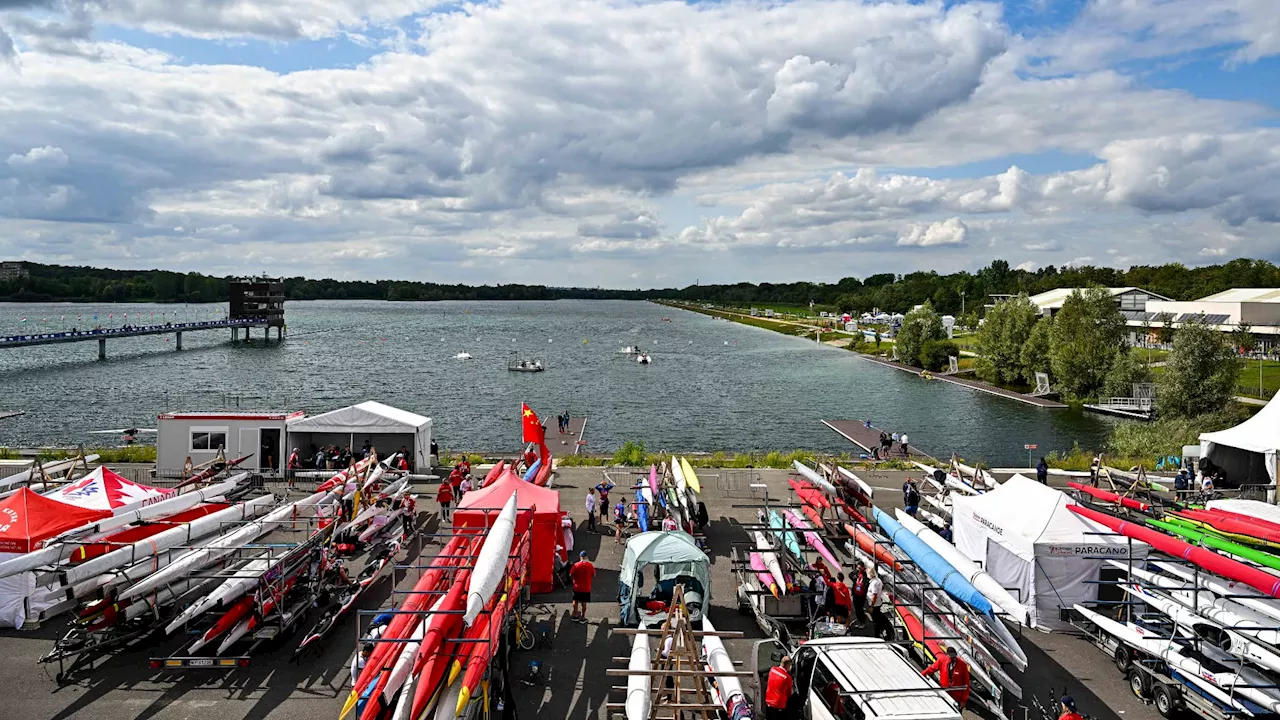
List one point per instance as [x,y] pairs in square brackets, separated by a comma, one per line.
[762,572]
[653,479]
[812,538]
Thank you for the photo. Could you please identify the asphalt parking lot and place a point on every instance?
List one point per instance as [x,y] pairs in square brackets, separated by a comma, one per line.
[122,687]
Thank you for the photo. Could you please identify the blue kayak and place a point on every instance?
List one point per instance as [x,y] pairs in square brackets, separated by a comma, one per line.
[642,512]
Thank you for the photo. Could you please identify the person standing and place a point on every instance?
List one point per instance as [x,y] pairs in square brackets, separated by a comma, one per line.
[445,497]
[455,479]
[843,600]
[778,690]
[953,675]
[859,596]
[464,487]
[583,574]
[903,440]
[1042,472]
[591,504]
[875,589]
[1095,467]
[291,466]
[947,534]
[619,521]
[1069,709]
[669,523]
[911,498]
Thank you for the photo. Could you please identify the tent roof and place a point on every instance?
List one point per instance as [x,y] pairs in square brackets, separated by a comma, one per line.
[661,547]
[529,495]
[1033,512]
[103,489]
[30,518]
[1260,433]
[370,417]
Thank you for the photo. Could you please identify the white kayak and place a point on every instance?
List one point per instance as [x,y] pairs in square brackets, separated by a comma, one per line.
[49,469]
[639,686]
[870,491]
[770,560]
[728,685]
[244,579]
[979,578]
[980,478]
[1238,592]
[1239,644]
[678,474]
[491,563]
[1222,687]
[815,478]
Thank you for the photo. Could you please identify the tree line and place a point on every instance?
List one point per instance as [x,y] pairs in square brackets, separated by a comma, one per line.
[947,294]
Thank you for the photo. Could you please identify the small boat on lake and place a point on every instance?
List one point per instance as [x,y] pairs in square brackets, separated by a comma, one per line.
[526,365]
[643,358]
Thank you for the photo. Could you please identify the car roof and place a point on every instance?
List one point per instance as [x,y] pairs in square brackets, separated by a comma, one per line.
[882,681]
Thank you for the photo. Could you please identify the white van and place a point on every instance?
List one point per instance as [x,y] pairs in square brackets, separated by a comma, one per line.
[855,678]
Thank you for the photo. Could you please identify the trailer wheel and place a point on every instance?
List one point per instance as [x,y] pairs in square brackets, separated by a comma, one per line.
[1139,683]
[1123,657]
[1166,705]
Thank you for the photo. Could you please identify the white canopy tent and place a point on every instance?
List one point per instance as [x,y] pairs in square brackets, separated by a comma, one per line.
[1047,556]
[386,428]
[1247,452]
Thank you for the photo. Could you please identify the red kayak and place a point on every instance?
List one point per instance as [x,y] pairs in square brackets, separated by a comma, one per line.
[814,516]
[481,656]
[1253,528]
[877,549]
[432,660]
[544,474]
[494,473]
[1261,581]
[809,494]
[1108,496]
[932,647]
[1228,515]
[851,513]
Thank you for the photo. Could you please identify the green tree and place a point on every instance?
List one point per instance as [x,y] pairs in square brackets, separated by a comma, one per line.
[918,327]
[1035,354]
[1165,332]
[1242,337]
[1200,375]
[1087,333]
[1001,339]
[1126,370]
[936,354]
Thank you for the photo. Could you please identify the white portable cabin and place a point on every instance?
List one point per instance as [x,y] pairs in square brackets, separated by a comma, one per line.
[384,427]
[199,435]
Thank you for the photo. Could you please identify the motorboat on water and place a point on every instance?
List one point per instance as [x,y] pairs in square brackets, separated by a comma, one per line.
[526,366]
[629,350]
[643,358]
[462,356]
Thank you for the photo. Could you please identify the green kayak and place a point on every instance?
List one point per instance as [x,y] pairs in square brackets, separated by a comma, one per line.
[1181,527]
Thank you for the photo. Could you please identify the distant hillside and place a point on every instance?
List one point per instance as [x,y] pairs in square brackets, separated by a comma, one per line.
[49,283]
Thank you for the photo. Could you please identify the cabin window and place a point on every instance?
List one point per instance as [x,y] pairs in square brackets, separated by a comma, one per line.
[208,438]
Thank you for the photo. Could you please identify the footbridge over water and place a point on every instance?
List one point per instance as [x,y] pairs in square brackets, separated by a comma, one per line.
[104,334]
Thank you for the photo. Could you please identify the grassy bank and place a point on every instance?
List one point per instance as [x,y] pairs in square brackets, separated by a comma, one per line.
[130,454]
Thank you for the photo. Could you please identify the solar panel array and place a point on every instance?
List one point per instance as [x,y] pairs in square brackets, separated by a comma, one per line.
[1136,316]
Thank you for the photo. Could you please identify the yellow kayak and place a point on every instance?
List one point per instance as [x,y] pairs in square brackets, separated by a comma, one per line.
[690,477]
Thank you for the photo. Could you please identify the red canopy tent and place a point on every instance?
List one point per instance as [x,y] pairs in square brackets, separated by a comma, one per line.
[27,519]
[538,505]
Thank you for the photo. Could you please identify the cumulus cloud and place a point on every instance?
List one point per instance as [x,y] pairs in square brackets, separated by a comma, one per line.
[946,232]
[733,137]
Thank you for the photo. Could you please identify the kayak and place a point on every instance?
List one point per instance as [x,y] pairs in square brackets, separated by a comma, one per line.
[786,539]
[494,473]
[1262,581]
[1248,531]
[653,479]
[1250,508]
[639,686]
[856,486]
[933,564]
[814,478]
[879,549]
[770,560]
[812,538]
[491,563]
[1211,539]
[931,647]
[1108,496]
[814,516]
[690,477]
[809,494]
[762,573]
[718,661]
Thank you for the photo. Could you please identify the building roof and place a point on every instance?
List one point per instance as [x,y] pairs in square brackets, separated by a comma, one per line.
[1256,295]
[1054,298]
[235,415]
[366,417]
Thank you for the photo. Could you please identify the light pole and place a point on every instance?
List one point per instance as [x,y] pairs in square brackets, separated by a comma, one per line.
[961,303]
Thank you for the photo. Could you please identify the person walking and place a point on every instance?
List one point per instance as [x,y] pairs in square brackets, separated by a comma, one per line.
[911,498]
[953,675]
[464,487]
[778,690]
[1095,466]
[592,504]
[619,521]
[1042,472]
[455,479]
[903,441]
[444,496]
[583,574]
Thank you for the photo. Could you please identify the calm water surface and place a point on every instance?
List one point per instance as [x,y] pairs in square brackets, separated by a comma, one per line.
[714,385]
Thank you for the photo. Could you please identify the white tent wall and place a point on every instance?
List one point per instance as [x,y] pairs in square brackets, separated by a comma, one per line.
[386,428]
[1248,452]
[16,606]
[1023,535]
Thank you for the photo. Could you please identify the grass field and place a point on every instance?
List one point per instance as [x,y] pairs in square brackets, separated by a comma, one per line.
[1270,379]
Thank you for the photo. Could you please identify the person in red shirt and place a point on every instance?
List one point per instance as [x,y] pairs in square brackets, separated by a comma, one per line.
[583,574]
[1069,709]
[455,478]
[843,599]
[953,675]
[777,694]
[445,497]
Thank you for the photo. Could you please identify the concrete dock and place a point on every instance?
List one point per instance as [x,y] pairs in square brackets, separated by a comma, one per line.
[124,688]
[857,432]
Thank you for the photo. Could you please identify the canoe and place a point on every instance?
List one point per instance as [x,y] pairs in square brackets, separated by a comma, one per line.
[814,516]
[911,623]
[1217,542]
[491,563]
[1108,496]
[718,661]
[812,538]
[1238,592]
[815,479]
[653,479]
[933,565]
[1230,524]
[809,494]
[762,573]
[864,493]
[1251,508]
[639,686]
[690,477]
[1262,581]
[770,559]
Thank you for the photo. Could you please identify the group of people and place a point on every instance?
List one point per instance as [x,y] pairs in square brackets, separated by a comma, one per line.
[887,441]
[562,422]
[854,602]
[911,505]
[453,488]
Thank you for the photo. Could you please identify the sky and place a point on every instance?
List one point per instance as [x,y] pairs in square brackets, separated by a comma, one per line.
[637,144]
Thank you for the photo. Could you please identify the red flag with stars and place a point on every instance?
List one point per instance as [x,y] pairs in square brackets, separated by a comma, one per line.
[532,426]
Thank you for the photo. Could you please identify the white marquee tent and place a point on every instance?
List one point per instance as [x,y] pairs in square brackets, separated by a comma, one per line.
[384,427]
[1247,452]
[1047,556]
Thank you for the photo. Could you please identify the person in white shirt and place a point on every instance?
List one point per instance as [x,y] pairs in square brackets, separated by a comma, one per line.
[875,589]
[669,523]
[465,486]
[592,503]
[903,441]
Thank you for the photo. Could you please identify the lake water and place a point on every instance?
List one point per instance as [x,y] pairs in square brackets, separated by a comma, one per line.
[713,385]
